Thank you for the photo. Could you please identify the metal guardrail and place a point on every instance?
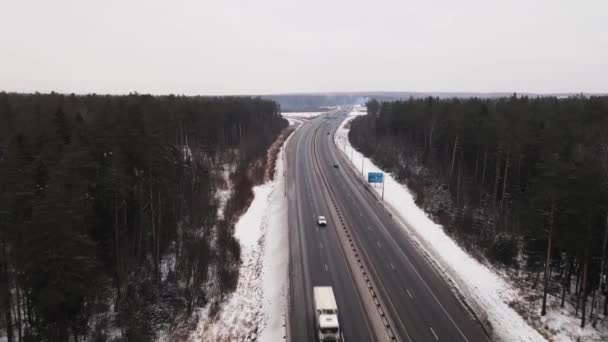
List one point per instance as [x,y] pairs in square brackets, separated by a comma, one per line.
[370,287]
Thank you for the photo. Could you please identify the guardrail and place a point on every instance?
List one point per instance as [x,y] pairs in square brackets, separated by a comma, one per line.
[361,265]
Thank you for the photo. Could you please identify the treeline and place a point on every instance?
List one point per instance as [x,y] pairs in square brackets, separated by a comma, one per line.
[518,181]
[109,225]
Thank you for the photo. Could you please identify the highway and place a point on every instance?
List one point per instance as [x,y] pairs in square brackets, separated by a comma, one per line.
[408,298]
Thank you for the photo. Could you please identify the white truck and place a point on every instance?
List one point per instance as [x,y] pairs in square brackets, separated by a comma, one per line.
[326,314]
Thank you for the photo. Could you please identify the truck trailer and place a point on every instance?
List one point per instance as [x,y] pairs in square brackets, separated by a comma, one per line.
[326,314]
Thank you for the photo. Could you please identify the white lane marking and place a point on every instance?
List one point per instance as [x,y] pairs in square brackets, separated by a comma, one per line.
[342,337]
[434,297]
[433,331]
[409,294]
[428,288]
[326,269]
[321,244]
[378,243]
[369,227]
[393,266]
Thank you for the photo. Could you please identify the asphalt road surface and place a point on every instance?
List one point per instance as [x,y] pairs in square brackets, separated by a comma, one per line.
[418,303]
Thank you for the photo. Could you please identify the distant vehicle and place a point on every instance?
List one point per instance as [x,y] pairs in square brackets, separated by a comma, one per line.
[322,221]
[336,165]
[326,314]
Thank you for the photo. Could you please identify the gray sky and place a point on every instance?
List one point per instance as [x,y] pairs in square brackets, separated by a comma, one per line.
[279,46]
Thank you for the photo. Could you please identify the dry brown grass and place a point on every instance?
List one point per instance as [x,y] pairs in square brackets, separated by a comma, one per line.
[273,153]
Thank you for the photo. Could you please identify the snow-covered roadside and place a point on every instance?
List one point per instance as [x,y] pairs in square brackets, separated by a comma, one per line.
[308,115]
[255,311]
[488,294]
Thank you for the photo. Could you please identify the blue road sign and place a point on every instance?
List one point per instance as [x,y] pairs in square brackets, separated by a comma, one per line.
[375,177]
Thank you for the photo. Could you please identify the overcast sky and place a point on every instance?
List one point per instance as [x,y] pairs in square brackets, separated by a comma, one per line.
[279,46]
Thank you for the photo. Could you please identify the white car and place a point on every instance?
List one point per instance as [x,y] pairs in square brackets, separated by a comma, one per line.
[322,221]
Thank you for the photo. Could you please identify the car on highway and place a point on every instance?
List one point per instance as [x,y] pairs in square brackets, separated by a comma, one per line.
[322,221]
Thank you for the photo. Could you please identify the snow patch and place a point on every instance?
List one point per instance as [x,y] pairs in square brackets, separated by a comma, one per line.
[223,194]
[308,115]
[255,311]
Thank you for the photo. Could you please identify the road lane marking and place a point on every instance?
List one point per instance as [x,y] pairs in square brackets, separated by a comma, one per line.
[433,331]
[326,269]
[393,266]
[409,294]
[378,243]
[321,244]
[407,259]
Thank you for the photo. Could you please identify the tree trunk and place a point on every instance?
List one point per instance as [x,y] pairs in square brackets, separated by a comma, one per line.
[458,184]
[5,296]
[519,185]
[159,225]
[584,294]
[536,279]
[504,184]
[453,157]
[496,180]
[117,254]
[155,236]
[19,310]
[548,261]
[584,284]
[477,165]
[602,268]
[565,283]
[431,131]
[483,172]
[579,271]
[591,317]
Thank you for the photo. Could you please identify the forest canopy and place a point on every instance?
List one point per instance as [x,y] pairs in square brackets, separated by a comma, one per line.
[519,181]
[108,208]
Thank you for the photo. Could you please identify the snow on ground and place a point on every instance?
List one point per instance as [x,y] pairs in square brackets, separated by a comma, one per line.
[359,110]
[255,311]
[223,193]
[309,115]
[295,122]
[487,293]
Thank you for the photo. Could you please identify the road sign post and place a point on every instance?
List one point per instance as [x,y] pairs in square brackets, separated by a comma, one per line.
[376,177]
[383,188]
[362,160]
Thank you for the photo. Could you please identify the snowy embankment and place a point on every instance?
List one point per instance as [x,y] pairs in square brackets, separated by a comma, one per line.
[256,309]
[487,293]
[307,115]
